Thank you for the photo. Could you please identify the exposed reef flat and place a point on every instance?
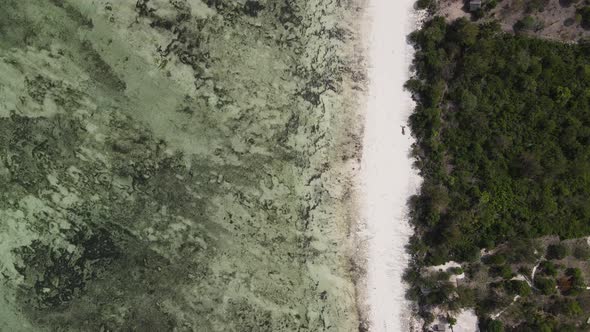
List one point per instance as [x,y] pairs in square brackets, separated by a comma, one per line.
[177,165]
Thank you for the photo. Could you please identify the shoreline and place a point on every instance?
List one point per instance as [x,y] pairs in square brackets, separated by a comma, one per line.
[386,178]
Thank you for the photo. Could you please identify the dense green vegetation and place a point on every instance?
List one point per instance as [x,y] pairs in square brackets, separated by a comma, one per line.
[503,131]
[502,127]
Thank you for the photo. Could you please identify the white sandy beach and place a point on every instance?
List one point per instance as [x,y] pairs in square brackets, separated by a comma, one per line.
[387,176]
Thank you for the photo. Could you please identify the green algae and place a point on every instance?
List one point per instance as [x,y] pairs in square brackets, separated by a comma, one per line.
[176,165]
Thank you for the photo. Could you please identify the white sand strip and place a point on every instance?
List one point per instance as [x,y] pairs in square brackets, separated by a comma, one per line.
[387,178]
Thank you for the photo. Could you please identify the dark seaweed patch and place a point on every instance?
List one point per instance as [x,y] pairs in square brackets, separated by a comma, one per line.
[288,14]
[54,276]
[162,23]
[253,7]
[141,7]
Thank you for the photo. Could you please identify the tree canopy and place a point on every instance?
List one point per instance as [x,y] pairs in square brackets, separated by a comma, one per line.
[502,125]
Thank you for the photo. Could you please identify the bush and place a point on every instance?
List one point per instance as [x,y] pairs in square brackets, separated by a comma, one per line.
[491,325]
[575,284]
[582,251]
[478,14]
[545,285]
[569,22]
[548,268]
[466,297]
[465,32]
[536,5]
[556,251]
[576,275]
[584,17]
[568,307]
[490,4]
[442,276]
[517,287]
[497,259]
[426,4]
[537,324]
[472,269]
[521,251]
[503,271]
[456,270]
[528,23]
